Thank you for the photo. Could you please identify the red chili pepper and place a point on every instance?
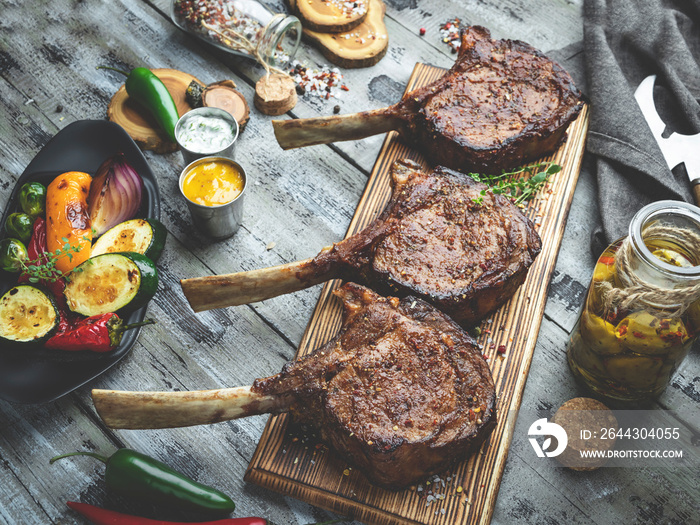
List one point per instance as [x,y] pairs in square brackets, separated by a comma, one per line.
[36,255]
[99,333]
[100,516]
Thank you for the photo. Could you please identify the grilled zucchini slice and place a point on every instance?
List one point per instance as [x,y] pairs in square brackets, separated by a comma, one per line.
[28,314]
[144,236]
[112,282]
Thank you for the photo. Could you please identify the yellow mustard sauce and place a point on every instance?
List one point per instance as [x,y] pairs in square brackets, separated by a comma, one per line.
[213,183]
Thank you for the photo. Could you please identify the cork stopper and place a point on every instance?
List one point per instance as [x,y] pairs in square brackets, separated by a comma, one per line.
[582,418]
[275,94]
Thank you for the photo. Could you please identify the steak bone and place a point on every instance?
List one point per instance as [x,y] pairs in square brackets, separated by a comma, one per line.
[140,410]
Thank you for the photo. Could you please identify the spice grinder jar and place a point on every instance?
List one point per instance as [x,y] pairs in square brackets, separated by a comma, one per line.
[243,27]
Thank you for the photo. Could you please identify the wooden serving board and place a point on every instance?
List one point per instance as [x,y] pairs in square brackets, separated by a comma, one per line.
[466,494]
[139,123]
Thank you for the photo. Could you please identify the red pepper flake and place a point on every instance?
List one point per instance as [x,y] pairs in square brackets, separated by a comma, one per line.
[449,31]
[422,31]
[321,83]
[344,88]
[638,335]
[501,349]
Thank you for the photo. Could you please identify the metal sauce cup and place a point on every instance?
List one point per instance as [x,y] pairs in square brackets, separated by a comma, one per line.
[190,155]
[217,222]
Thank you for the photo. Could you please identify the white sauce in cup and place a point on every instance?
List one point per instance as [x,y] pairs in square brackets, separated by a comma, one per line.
[205,134]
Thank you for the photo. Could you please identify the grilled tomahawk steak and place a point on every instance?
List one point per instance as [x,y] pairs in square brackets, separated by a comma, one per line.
[432,241]
[401,392]
[502,103]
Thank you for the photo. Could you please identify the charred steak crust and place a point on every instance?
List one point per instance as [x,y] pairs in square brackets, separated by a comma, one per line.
[501,104]
[401,392]
[434,241]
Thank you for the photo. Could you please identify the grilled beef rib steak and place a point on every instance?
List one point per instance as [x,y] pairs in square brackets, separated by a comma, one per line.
[501,104]
[432,241]
[401,392]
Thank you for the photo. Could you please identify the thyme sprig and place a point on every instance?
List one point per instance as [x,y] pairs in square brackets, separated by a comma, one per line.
[520,185]
[43,268]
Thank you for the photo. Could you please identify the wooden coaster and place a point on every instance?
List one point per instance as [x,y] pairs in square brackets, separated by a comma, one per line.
[138,122]
[223,95]
[275,94]
[328,16]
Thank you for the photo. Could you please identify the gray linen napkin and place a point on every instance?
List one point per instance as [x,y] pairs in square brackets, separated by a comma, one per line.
[624,42]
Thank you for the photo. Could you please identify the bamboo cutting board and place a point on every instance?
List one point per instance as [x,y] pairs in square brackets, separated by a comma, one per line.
[294,465]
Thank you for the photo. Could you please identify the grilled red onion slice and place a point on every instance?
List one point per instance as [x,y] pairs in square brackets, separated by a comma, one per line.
[115,194]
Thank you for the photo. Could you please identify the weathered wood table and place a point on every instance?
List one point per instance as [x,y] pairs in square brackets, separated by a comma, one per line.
[299,201]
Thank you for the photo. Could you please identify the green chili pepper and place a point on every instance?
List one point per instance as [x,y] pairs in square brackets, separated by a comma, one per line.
[136,475]
[149,91]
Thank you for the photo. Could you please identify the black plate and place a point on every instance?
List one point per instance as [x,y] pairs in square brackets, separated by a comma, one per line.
[33,376]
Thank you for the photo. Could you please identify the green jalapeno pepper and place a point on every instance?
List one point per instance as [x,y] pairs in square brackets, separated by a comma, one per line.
[136,475]
[148,90]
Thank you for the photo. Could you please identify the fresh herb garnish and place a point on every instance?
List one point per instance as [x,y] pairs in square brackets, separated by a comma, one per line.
[45,270]
[520,185]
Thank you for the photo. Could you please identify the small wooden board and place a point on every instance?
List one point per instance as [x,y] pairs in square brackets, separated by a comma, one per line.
[328,16]
[361,46]
[316,475]
[136,120]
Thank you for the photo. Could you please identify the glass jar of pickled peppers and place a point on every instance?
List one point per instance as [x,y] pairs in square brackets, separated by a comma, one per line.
[642,311]
[243,27]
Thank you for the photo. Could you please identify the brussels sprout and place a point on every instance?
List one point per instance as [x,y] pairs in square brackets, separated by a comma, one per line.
[599,335]
[645,333]
[32,198]
[19,225]
[634,371]
[12,252]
